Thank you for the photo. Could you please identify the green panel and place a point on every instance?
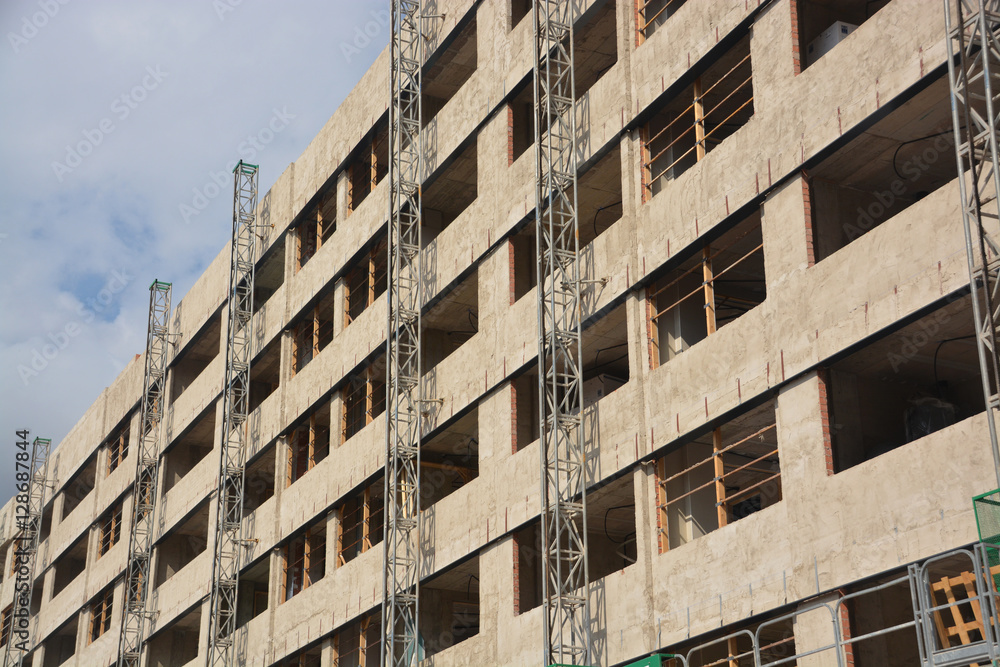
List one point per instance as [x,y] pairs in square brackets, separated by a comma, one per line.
[652,661]
[988,522]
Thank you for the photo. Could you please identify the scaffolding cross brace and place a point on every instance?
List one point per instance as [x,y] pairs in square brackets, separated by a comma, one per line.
[140,543]
[29,521]
[560,395]
[229,541]
[401,574]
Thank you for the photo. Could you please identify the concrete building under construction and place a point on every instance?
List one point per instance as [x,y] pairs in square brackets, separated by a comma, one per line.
[603,332]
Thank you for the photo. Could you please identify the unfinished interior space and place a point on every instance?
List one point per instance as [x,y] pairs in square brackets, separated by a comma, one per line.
[707,343]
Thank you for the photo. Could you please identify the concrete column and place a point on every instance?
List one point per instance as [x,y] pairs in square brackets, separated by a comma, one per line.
[815,629]
[339,307]
[326,653]
[800,439]
[787,243]
[203,628]
[342,200]
[495,288]
[274,592]
[772,56]
[495,430]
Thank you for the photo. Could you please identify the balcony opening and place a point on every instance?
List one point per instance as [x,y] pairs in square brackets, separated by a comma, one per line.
[177,644]
[361,521]
[100,610]
[712,286]
[595,46]
[117,444]
[109,528]
[307,657]
[599,198]
[363,393]
[69,565]
[894,164]
[308,443]
[520,123]
[890,605]
[196,355]
[189,449]
[524,257]
[270,274]
[450,614]
[312,331]
[651,14]
[688,127]
[252,598]
[524,403]
[368,166]
[605,356]
[365,278]
[265,374]
[451,321]
[357,644]
[79,487]
[60,646]
[446,71]
[449,459]
[718,477]
[611,538]
[182,544]
[914,381]
[317,224]
[452,190]
[303,560]
[528,556]
[260,475]
[519,10]
[6,618]
[820,25]
[46,528]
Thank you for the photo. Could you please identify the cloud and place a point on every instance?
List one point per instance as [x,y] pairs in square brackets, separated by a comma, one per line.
[159,97]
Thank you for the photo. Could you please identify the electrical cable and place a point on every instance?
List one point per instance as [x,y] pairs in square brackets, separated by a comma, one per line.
[913,141]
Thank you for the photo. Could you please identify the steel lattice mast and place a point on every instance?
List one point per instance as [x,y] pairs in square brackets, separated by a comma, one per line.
[236,408]
[140,543]
[403,393]
[973,38]
[560,395]
[30,524]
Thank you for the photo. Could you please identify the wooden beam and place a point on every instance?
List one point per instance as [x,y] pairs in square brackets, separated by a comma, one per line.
[312,442]
[366,515]
[720,487]
[699,121]
[661,505]
[306,558]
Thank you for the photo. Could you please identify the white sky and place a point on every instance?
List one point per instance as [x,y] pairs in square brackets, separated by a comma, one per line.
[114,115]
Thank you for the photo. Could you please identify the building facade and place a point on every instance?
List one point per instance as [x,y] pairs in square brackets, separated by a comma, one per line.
[782,403]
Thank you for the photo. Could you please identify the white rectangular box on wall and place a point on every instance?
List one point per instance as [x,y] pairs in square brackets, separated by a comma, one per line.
[828,39]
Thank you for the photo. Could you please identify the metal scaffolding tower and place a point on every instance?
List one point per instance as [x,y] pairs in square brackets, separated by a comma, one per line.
[28,513]
[401,564]
[140,542]
[560,395]
[229,540]
[973,38]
